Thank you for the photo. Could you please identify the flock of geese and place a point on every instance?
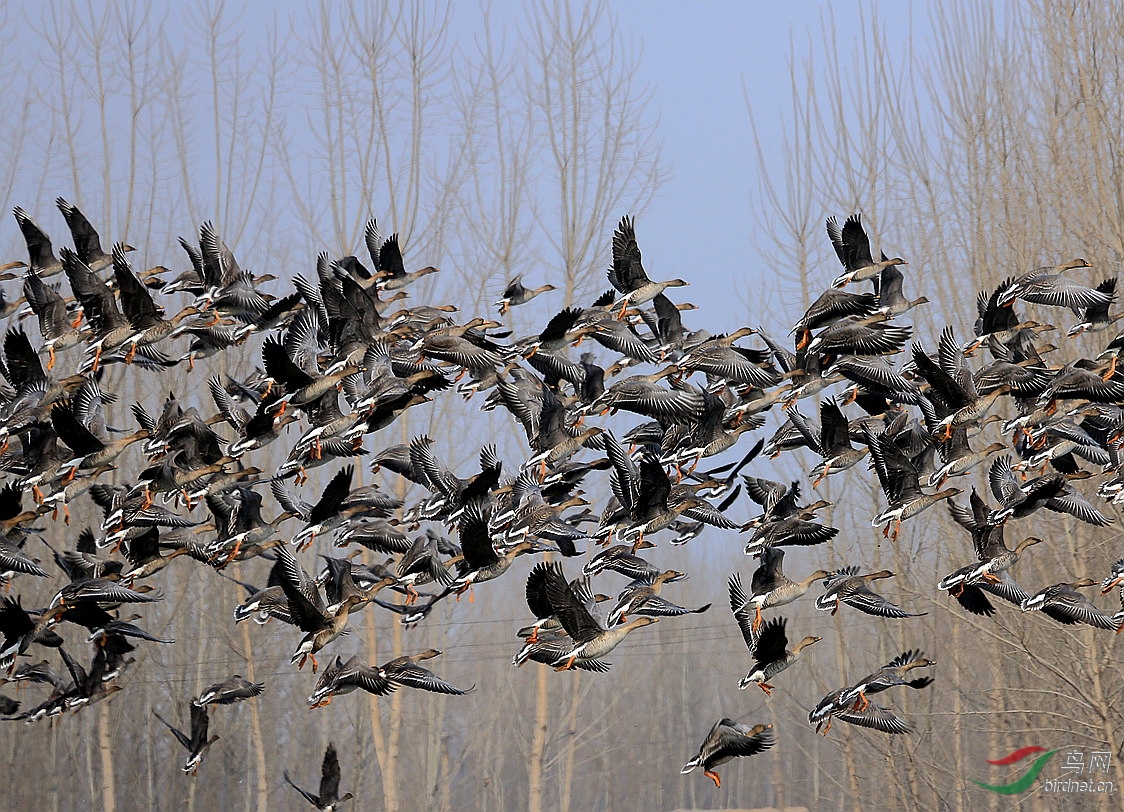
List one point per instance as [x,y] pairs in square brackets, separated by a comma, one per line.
[347,331]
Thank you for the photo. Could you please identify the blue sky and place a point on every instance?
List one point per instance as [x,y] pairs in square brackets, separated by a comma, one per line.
[706,68]
[704,64]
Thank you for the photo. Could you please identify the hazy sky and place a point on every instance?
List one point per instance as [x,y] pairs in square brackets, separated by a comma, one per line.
[706,66]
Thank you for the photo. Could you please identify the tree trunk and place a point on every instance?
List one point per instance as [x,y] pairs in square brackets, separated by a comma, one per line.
[538,742]
[105,749]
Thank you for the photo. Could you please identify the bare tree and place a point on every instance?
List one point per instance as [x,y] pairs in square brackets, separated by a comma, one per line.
[983,163]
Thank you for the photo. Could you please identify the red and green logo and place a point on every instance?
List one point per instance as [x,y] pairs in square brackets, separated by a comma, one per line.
[1023,782]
